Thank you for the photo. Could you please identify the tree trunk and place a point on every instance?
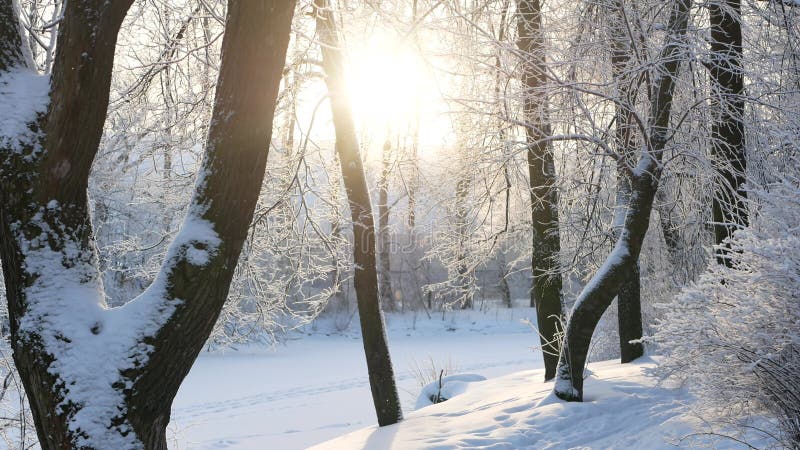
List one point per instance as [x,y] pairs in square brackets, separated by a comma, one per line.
[727,129]
[463,272]
[384,238]
[670,225]
[546,292]
[106,378]
[413,179]
[507,155]
[502,282]
[609,279]
[629,302]
[379,365]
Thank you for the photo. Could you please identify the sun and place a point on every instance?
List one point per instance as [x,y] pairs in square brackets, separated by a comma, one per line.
[389,85]
[394,92]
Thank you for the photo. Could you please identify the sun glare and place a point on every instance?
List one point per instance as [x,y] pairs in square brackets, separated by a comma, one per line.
[393,92]
[390,86]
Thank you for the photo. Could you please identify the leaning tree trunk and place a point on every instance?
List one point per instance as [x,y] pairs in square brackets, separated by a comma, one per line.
[99,377]
[629,302]
[379,364]
[546,292]
[727,129]
[609,279]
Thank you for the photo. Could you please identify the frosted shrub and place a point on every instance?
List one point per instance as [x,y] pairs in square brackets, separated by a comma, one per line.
[735,332]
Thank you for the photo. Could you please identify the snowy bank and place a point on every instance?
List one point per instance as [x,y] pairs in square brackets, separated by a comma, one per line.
[624,408]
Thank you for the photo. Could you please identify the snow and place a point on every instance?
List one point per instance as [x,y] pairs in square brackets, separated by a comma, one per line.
[446,388]
[646,164]
[313,392]
[196,238]
[624,408]
[315,387]
[65,311]
[23,95]
[91,344]
[612,262]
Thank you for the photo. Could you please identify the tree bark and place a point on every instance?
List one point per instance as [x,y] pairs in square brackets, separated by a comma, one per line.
[384,238]
[379,365]
[464,273]
[629,302]
[546,245]
[11,38]
[607,282]
[727,129]
[165,327]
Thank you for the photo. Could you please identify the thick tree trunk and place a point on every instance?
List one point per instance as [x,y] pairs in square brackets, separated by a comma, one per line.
[546,292]
[106,378]
[253,54]
[727,129]
[28,187]
[629,302]
[629,316]
[610,278]
[379,365]
[11,38]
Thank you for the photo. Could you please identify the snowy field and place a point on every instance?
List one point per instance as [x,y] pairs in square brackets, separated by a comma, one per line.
[315,386]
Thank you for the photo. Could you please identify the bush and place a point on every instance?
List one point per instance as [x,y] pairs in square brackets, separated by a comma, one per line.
[735,332]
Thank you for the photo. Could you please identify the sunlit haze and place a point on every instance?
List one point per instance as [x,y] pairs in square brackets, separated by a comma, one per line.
[392,91]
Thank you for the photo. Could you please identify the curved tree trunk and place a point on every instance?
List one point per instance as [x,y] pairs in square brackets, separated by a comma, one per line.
[546,292]
[99,377]
[629,301]
[379,364]
[609,279]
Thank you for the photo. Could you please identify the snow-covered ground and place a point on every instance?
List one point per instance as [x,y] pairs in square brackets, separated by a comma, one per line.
[312,391]
[623,409]
[315,386]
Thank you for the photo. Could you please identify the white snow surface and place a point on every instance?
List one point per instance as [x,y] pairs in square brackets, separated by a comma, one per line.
[23,94]
[196,237]
[314,388]
[92,344]
[446,388]
[624,409]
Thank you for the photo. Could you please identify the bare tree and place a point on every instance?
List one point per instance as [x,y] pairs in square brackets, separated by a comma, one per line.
[609,279]
[629,302]
[99,377]
[379,364]
[546,292]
